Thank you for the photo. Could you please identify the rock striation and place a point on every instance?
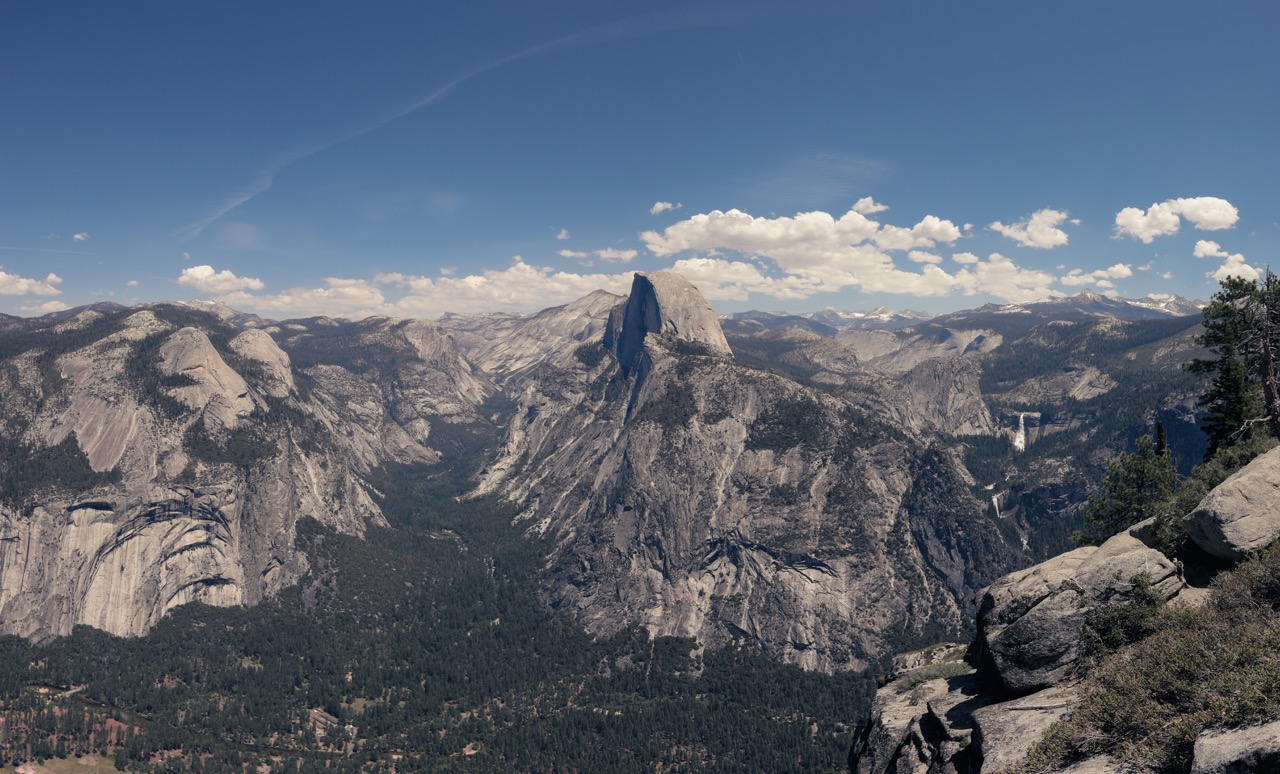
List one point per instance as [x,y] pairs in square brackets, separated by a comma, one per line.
[665,305]
[204,446]
[696,496]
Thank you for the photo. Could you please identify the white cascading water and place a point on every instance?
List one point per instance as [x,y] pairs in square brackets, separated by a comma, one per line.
[1020,440]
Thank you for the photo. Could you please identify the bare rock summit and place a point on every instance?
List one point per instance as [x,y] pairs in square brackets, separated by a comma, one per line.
[668,306]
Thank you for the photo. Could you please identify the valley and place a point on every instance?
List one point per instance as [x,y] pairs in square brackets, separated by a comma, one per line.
[618,534]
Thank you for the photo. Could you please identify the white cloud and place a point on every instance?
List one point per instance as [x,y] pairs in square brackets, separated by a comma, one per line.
[1168,275]
[965,258]
[1039,229]
[1101,277]
[1233,265]
[83,236]
[868,206]
[1206,248]
[815,252]
[920,256]
[518,288]
[926,233]
[572,254]
[615,255]
[1207,213]
[564,234]
[660,207]
[186,256]
[204,279]
[131,283]
[339,297]
[45,308]
[13,285]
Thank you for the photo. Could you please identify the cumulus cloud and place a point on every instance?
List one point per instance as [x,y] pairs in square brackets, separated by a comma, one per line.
[131,283]
[660,207]
[13,285]
[47,307]
[1207,213]
[1206,248]
[573,254]
[1039,229]
[518,288]
[83,236]
[615,255]
[868,206]
[338,297]
[965,258]
[815,252]
[920,256]
[1101,278]
[204,279]
[1233,264]
[926,233]
[564,234]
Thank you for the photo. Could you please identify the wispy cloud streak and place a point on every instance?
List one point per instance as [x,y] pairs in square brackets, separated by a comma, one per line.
[607,33]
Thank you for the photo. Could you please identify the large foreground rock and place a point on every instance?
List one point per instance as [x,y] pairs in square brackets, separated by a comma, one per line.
[1004,733]
[1242,514]
[1239,751]
[1030,621]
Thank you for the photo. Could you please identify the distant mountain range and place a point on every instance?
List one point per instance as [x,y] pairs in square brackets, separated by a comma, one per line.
[1083,306]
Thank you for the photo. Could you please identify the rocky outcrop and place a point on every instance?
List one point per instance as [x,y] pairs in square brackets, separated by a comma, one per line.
[220,393]
[1005,732]
[697,497]
[204,470]
[1239,751]
[508,348]
[1030,622]
[258,346]
[668,306]
[1242,514]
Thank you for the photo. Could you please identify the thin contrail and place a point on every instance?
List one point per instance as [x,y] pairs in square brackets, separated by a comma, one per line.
[627,28]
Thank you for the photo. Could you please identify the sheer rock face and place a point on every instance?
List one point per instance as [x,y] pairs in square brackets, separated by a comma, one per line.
[666,305]
[1242,514]
[178,524]
[219,392]
[696,497]
[259,347]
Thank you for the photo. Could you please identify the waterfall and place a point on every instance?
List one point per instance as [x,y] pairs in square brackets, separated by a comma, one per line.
[1020,440]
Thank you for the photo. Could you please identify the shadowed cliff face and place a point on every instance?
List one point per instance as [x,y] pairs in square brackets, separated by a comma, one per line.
[668,306]
[188,452]
[697,497]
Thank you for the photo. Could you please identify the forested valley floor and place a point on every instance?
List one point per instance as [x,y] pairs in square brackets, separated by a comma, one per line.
[419,648]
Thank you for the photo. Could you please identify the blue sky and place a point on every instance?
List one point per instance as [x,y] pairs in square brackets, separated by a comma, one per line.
[413,158]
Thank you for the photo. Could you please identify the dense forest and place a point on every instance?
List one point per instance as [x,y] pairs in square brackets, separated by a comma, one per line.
[419,648]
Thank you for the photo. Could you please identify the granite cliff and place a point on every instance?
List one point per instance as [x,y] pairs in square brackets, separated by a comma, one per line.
[171,456]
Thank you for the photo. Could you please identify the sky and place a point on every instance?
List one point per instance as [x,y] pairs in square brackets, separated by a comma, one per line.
[413,158]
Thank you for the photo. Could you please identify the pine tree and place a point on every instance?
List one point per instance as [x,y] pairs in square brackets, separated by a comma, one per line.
[1242,327]
[1134,489]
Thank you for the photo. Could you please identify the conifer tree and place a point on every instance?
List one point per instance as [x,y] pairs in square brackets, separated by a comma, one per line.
[1135,487]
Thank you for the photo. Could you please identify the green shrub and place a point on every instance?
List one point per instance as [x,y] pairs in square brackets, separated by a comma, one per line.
[1213,667]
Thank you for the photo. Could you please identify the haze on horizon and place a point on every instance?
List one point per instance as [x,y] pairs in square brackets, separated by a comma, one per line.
[409,160]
